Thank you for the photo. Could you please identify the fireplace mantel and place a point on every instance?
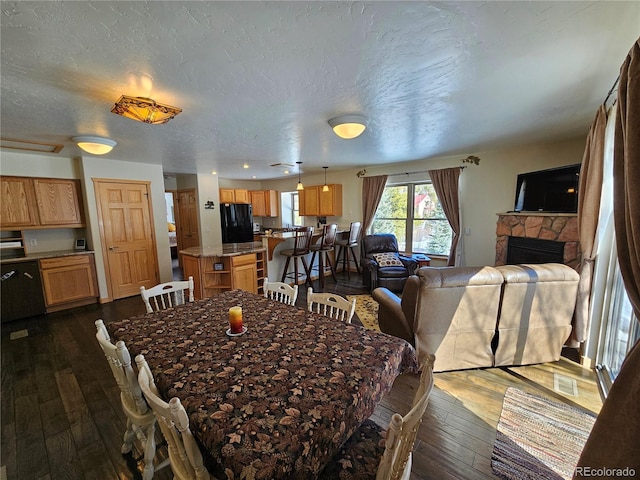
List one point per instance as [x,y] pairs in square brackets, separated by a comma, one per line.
[559,227]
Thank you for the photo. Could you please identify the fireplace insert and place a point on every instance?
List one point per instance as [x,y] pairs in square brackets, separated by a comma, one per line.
[534,250]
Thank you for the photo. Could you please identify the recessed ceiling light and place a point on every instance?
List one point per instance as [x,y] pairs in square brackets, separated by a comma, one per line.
[286,172]
[213,172]
[246,165]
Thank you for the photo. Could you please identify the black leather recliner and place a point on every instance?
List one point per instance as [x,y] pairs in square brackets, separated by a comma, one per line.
[376,275]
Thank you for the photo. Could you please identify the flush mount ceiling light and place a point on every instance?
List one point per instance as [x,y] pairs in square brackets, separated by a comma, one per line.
[348,126]
[325,187]
[299,186]
[95,145]
[144,110]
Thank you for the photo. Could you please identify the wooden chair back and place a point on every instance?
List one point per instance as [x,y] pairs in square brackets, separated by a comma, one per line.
[302,241]
[331,305]
[167,295]
[184,453]
[119,360]
[354,232]
[280,291]
[328,236]
[401,434]
[140,418]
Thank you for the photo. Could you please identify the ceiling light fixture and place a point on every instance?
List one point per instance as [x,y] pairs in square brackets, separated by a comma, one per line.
[144,110]
[94,145]
[348,126]
[299,186]
[325,187]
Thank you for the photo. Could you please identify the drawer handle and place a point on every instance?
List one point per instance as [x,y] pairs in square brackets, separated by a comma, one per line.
[8,275]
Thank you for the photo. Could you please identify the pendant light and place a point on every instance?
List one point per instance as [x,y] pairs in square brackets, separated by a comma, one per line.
[325,187]
[299,186]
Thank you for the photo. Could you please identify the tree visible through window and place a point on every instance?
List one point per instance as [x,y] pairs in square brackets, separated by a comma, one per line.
[412,212]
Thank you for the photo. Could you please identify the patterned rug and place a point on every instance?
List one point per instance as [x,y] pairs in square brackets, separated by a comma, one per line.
[366,310]
[538,438]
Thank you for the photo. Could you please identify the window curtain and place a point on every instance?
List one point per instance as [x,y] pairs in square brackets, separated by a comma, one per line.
[589,193]
[626,176]
[445,183]
[614,441]
[372,190]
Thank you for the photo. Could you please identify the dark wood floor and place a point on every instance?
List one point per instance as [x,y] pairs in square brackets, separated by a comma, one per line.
[61,417]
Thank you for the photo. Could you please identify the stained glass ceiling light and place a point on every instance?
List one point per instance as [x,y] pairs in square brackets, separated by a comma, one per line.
[144,110]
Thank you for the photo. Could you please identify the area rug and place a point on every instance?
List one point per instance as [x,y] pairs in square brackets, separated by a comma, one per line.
[366,310]
[538,438]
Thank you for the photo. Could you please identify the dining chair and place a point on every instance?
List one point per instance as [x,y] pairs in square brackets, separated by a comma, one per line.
[323,248]
[301,244]
[280,291]
[347,246]
[167,295]
[184,452]
[358,457]
[140,418]
[331,305]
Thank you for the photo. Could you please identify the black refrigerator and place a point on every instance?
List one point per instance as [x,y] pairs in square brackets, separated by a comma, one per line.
[237,222]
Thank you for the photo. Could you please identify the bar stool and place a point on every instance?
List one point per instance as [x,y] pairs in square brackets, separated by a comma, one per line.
[302,242]
[348,245]
[322,248]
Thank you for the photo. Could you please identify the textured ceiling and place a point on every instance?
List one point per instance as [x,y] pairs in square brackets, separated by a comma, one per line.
[257,81]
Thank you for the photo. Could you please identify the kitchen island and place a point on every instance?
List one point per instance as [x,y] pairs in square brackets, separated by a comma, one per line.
[225,267]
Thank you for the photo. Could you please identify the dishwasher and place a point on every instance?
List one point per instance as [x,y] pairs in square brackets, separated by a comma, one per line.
[21,291]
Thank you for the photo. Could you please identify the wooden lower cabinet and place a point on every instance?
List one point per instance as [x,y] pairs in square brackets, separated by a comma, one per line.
[69,281]
[234,272]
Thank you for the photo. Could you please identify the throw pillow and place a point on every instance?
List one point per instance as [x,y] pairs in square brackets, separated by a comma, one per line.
[387,259]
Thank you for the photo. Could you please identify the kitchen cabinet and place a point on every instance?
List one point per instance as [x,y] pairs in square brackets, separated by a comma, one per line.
[17,203]
[218,273]
[264,202]
[258,203]
[68,281]
[33,202]
[315,202]
[58,202]
[234,195]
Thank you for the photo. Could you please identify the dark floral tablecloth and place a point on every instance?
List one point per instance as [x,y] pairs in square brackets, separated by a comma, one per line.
[278,401]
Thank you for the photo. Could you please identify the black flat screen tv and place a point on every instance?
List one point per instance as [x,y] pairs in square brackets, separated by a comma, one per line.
[554,190]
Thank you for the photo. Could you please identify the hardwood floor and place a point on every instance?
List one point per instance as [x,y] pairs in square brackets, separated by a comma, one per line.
[61,415]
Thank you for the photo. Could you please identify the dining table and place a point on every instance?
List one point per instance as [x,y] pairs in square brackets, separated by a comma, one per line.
[277,401]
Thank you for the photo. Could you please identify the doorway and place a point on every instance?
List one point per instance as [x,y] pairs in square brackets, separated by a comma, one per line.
[128,240]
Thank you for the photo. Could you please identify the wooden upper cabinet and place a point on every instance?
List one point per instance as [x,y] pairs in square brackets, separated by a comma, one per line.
[271,203]
[242,195]
[309,201]
[331,201]
[315,202]
[29,202]
[227,195]
[17,203]
[58,202]
[234,195]
[258,203]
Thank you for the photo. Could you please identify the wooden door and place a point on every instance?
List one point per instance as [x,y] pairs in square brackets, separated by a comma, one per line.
[124,211]
[187,226]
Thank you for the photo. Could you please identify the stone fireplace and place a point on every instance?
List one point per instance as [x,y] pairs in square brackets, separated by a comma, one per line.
[550,227]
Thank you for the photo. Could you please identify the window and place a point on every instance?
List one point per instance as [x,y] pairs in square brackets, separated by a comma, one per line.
[290,209]
[412,212]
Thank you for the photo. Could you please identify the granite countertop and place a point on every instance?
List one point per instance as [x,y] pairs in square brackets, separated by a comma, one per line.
[40,255]
[225,250]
